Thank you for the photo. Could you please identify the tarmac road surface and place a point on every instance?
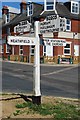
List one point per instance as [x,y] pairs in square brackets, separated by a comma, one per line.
[56,80]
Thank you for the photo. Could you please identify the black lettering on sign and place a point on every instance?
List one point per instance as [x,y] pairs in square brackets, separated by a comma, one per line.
[28,41]
[51,17]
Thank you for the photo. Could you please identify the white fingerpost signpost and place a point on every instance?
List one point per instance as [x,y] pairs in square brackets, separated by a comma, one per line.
[36,83]
[40,27]
[18,40]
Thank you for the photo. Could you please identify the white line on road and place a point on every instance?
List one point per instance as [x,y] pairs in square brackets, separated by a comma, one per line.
[58,71]
[15,70]
[18,75]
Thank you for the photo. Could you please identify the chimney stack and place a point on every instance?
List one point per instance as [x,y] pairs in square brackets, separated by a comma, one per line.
[23,6]
[5,10]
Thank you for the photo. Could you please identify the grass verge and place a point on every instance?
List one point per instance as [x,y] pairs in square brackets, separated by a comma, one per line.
[59,111]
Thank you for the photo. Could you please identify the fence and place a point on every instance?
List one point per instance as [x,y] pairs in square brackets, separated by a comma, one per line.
[19,58]
[46,59]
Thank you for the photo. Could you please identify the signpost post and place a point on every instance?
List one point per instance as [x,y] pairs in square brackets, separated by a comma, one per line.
[37,93]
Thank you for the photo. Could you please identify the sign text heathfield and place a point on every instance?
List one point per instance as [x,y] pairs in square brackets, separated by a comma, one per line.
[17,40]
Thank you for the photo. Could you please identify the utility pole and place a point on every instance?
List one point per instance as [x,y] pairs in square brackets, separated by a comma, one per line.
[74,34]
[36,84]
[29,8]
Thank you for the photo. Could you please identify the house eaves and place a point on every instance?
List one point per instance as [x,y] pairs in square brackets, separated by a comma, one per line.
[38,12]
[63,11]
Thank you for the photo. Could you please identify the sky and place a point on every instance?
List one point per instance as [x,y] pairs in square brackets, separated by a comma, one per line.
[15,3]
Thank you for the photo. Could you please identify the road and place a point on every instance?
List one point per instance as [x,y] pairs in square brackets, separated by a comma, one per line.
[56,80]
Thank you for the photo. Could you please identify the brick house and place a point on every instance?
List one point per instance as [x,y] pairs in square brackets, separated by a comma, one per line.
[31,12]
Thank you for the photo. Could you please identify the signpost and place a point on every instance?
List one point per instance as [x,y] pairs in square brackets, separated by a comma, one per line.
[55,42]
[52,24]
[23,26]
[18,40]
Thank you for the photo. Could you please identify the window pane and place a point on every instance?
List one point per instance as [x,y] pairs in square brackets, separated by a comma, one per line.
[32,50]
[30,9]
[44,48]
[21,47]
[73,8]
[67,51]
[2,49]
[67,46]
[31,6]
[50,3]
[31,13]
[49,7]
[21,52]
[76,10]
[7,48]
[68,22]
[32,46]
[44,54]
[76,5]
[68,27]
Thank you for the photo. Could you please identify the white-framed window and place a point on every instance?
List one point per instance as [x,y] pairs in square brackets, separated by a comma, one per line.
[76,50]
[47,50]
[44,50]
[1,48]
[7,48]
[74,7]
[30,9]
[68,25]
[49,5]
[12,50]
[21,50]
[8,17]
[67,49]
[32,49]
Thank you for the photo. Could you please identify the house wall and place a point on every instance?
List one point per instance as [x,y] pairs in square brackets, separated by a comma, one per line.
[16,50]
[75,26]
[41,50]
[26,50]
